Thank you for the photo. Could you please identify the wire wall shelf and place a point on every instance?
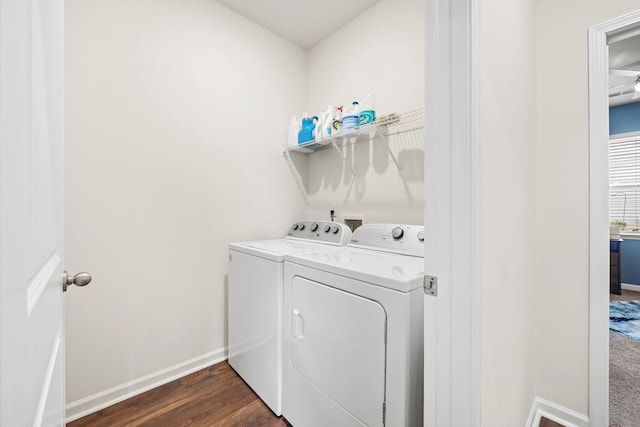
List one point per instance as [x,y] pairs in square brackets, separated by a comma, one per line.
[386,125]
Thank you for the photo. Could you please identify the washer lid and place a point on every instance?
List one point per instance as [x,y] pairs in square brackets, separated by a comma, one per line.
[399,272]
[276,249]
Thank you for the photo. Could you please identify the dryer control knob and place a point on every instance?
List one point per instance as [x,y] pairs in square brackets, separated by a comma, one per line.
[335,229]
[327,228]
[397,233]
[301,227]
[314,227]
[421,235]
[295,226]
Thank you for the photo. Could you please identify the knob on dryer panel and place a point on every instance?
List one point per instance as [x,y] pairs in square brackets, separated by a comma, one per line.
[400,238]
[397,233]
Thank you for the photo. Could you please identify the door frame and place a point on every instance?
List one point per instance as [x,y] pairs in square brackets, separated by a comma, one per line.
[452,319]
[599,214]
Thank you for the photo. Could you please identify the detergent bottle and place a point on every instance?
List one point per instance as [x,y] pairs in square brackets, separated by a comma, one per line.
[368,112]
[351,119]
[294,128]
[325,124]
[337,119]
[308,126]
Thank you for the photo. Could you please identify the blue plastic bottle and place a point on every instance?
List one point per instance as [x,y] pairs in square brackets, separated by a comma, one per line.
[308,126]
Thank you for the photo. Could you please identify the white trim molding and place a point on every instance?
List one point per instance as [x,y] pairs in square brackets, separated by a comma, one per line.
[599,214]
[101,400]
[452,321]
[554,412]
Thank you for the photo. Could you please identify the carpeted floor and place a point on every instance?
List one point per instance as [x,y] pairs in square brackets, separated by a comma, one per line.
[624,374]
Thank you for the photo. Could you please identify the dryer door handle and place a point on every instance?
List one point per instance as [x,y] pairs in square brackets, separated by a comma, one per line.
[298,325]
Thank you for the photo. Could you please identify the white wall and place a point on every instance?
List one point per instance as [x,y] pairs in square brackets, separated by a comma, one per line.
[380,52]
[562,293]
[507,234]
[175,115]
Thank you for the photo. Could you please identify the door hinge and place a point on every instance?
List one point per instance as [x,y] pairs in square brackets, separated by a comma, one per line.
[430,285]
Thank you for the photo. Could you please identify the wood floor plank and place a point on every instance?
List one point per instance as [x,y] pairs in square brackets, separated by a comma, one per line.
[215,396]
[545,422]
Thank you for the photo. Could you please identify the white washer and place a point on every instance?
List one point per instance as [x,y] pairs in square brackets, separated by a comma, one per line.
[353,331]
[255,302]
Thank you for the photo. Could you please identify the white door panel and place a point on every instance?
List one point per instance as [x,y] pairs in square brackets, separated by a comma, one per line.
[31,228]
[46,133]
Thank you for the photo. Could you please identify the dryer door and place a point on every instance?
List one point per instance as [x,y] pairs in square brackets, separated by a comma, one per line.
[338,344]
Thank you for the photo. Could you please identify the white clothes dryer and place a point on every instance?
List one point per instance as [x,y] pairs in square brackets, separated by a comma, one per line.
[353,331]
[255,307]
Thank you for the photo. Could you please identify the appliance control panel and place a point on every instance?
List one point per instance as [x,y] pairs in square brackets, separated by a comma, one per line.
[402,239]
[320,231]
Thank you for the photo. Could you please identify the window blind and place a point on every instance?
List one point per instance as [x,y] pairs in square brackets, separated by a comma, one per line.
[624,180]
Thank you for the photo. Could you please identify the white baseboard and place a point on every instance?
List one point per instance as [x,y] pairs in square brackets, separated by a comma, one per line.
[630,287]
[101,400]
[554,412]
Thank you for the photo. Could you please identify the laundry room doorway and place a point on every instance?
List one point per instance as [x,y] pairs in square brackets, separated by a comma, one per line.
[599,38]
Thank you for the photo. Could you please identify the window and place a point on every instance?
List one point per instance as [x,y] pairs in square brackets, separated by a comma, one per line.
[624,181]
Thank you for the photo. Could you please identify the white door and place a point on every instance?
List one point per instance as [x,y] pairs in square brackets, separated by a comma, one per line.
[31,215]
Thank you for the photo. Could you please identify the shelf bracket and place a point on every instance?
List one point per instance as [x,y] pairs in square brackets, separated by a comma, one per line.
[344,158]
[393,157]
[385,141]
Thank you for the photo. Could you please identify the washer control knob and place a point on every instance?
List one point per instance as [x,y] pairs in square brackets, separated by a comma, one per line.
[397,233]
[327,228]
[314,227]
[301,227]
[295,226]
[335,229]
[421,235]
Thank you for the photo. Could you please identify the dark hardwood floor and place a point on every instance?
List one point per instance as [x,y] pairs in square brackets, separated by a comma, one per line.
[215,396]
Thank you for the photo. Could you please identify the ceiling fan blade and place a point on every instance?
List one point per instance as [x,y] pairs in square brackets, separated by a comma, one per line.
[623,93]
[624,73]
